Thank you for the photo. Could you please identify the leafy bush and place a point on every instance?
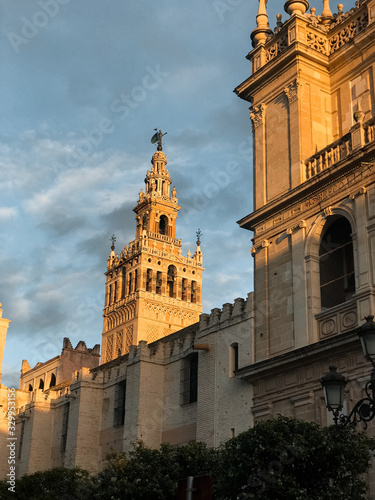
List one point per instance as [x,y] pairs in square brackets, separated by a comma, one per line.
[283,459]
[287,459]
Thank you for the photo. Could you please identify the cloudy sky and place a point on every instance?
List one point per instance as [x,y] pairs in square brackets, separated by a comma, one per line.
[84,83]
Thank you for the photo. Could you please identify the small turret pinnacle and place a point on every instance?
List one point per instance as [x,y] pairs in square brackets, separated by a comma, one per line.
[326,14]
[293,7]
[113,239]
[199,234]
[262,31]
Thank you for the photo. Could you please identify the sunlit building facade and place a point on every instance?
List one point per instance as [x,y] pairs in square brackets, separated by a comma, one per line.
[169,373]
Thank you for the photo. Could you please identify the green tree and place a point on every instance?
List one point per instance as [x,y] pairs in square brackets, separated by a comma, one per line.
[289,459]
[283,459]
[152,474]
[52,484]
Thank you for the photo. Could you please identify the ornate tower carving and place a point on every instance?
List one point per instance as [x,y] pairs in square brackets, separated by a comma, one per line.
[151,289]
[313,123]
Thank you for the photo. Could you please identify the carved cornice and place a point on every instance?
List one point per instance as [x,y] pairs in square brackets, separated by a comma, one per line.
[362,191]
[301,224]
[257,114]
[293,90]
[256,248]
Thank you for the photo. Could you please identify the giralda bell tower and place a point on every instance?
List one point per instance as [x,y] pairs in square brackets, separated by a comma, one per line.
[151,289]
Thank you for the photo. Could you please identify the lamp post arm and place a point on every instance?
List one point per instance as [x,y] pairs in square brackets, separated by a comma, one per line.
[364,410]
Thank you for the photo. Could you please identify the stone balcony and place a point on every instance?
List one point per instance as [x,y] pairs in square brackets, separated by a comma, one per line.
[358,136]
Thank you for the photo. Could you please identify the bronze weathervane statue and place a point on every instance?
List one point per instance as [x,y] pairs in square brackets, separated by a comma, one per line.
[157,137]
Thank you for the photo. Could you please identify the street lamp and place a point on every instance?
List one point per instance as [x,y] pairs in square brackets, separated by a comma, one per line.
[334,384]
[334,388]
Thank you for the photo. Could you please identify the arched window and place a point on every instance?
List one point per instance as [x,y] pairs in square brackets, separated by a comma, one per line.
[53,380]
[336,264]
[233,358]
[123,292]
[189,379]
[149,280]
[144,221]
[184,289]
[159,282]
[171,277]
[193,295]
[163,225]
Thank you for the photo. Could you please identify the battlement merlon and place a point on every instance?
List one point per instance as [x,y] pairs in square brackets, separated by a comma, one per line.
[67,351]
[229,312]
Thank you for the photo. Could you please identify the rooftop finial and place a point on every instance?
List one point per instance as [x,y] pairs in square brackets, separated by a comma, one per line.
[326,14]
[262,31]
[157,137]
[199,235]
[113,239]
[296,6]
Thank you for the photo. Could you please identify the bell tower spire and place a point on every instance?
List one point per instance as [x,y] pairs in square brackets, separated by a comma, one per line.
[151,289]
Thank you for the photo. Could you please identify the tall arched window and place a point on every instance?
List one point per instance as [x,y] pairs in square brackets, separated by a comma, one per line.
[171,277]
[149,280]
[189,379]
[159,282]
[336,264]
[53,380]
[184,289]
[193,295]
[163,225]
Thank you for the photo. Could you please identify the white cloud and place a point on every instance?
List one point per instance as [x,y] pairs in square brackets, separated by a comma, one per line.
[7,213]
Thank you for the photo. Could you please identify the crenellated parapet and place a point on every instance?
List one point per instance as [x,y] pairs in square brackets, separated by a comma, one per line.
[56,371]
[220,318]
[81,346]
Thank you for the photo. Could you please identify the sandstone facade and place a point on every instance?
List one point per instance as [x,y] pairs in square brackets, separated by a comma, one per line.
[170,373]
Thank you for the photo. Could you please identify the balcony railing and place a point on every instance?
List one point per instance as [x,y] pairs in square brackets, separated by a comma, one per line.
[359,136]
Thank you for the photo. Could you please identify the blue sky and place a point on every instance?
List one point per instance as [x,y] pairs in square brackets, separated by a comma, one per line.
[84,83]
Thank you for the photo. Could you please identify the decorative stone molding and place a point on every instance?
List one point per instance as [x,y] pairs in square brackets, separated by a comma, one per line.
[256,248]
[327,212]
[362,191]
[338,320]
[277,48]
[292,91]
[348,32]
[302,399]
[262,411]
[257,114]
[317,42]
[299,225]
